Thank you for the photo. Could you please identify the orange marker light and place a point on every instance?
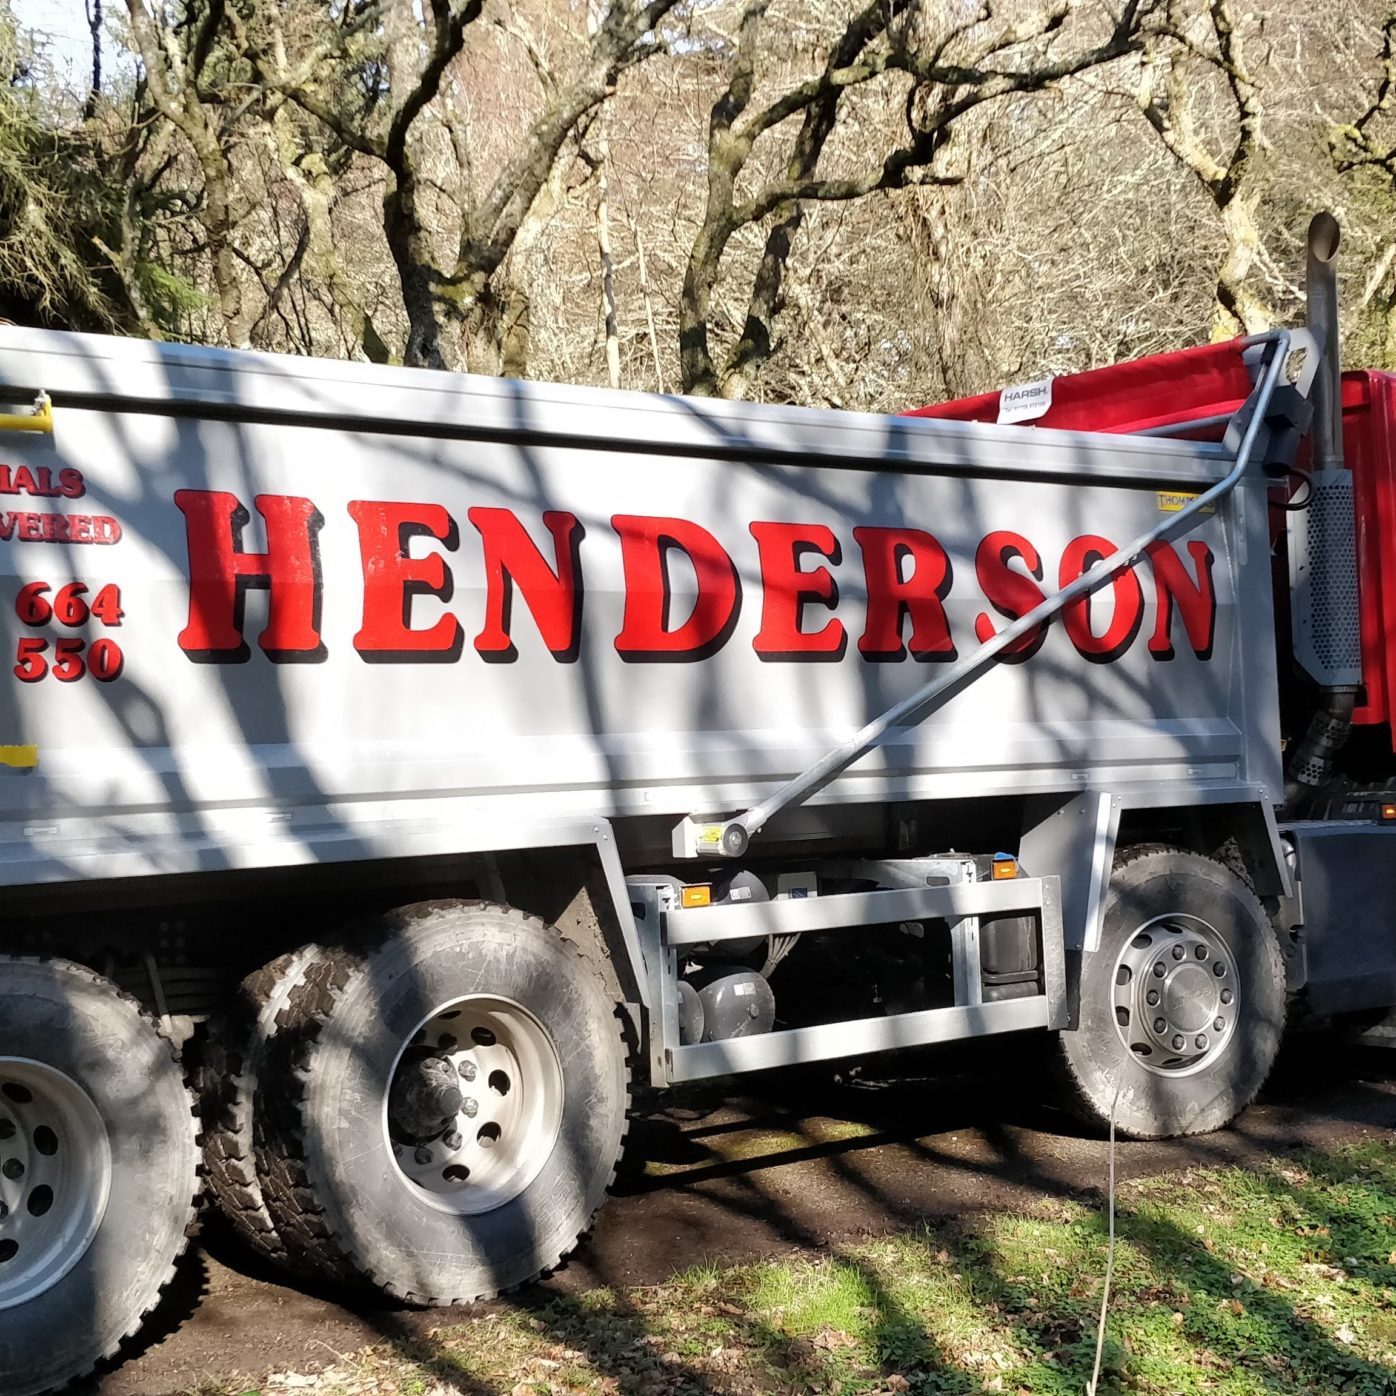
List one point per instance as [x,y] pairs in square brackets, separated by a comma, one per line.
[1005,868]
[696,896]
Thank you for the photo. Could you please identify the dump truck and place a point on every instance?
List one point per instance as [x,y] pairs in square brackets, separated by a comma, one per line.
[399,771]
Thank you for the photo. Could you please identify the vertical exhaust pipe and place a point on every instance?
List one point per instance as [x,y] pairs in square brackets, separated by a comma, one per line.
[1323,543]
[1321,293]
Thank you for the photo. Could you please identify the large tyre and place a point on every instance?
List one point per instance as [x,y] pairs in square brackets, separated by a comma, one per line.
[1182,1006]
[446,1112]
[230,1060]
[100,1171]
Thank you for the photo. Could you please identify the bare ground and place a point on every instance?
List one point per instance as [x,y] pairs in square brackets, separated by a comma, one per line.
[791,1165]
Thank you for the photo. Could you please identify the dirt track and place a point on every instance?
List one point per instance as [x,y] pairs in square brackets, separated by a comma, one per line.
[799,1167]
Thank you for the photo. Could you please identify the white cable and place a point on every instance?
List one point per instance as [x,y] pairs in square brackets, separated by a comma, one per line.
[1109,1253]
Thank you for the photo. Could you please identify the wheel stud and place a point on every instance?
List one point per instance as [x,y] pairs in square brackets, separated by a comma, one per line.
[1178,952]
[7,1129]
[1201,952]
[13,1168]
[452,1141]
[1151,998]
[423,1156]
[1160,969]
[467,1071]
[1226,995]
[1219,969]
[1200,1042]
[1218,1024]
[1159,1024]
[1179,1042]
[470,1108]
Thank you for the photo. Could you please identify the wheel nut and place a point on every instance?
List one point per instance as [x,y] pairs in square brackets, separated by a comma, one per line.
[1178,1043]
[1226,995]
[1151,998]
[467,1071]
[423,1156]
[1201,952]
[1178,952]
[1200,1042]
[1160,969]
[1159,1024]
[452,1141]
[1218,1024]
[13,1168]
[7,1129]
[1219,969]
[470,1108]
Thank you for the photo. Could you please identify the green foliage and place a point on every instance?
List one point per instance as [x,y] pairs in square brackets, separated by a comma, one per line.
[51,201]
[172,296]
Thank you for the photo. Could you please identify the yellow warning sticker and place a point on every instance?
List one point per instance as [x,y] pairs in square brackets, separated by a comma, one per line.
[23,758]
[1174,501]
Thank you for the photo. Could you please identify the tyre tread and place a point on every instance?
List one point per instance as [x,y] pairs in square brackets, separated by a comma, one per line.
[227,1082]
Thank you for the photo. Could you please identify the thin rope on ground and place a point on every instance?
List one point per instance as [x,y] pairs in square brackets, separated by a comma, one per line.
[1109,1254]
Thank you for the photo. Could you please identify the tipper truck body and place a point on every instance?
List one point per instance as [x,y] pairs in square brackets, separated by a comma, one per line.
[399,770]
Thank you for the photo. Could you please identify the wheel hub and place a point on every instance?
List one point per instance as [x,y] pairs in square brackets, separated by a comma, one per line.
[55,1177]
[1175,994]
[475,1104]
[424,1098]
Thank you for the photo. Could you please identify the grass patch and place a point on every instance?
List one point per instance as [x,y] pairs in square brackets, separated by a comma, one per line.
[1245,1283]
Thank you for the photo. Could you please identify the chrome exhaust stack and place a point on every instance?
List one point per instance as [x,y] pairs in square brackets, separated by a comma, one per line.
[1326,626]
[1321,293]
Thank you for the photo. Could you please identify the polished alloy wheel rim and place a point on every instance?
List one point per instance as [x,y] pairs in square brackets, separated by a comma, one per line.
[474,1107]
[55,1177]
[1176,995]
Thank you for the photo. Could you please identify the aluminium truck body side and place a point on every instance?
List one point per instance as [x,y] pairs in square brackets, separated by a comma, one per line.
[360,608]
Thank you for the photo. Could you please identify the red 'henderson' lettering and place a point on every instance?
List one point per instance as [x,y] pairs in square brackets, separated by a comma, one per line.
[536,566]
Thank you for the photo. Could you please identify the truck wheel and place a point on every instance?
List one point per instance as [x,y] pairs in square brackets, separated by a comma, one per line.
[230,1060]
[99,1171]
[447,1112]
[1182,1006]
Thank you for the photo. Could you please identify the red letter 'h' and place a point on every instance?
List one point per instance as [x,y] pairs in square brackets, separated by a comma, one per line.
[220,572]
